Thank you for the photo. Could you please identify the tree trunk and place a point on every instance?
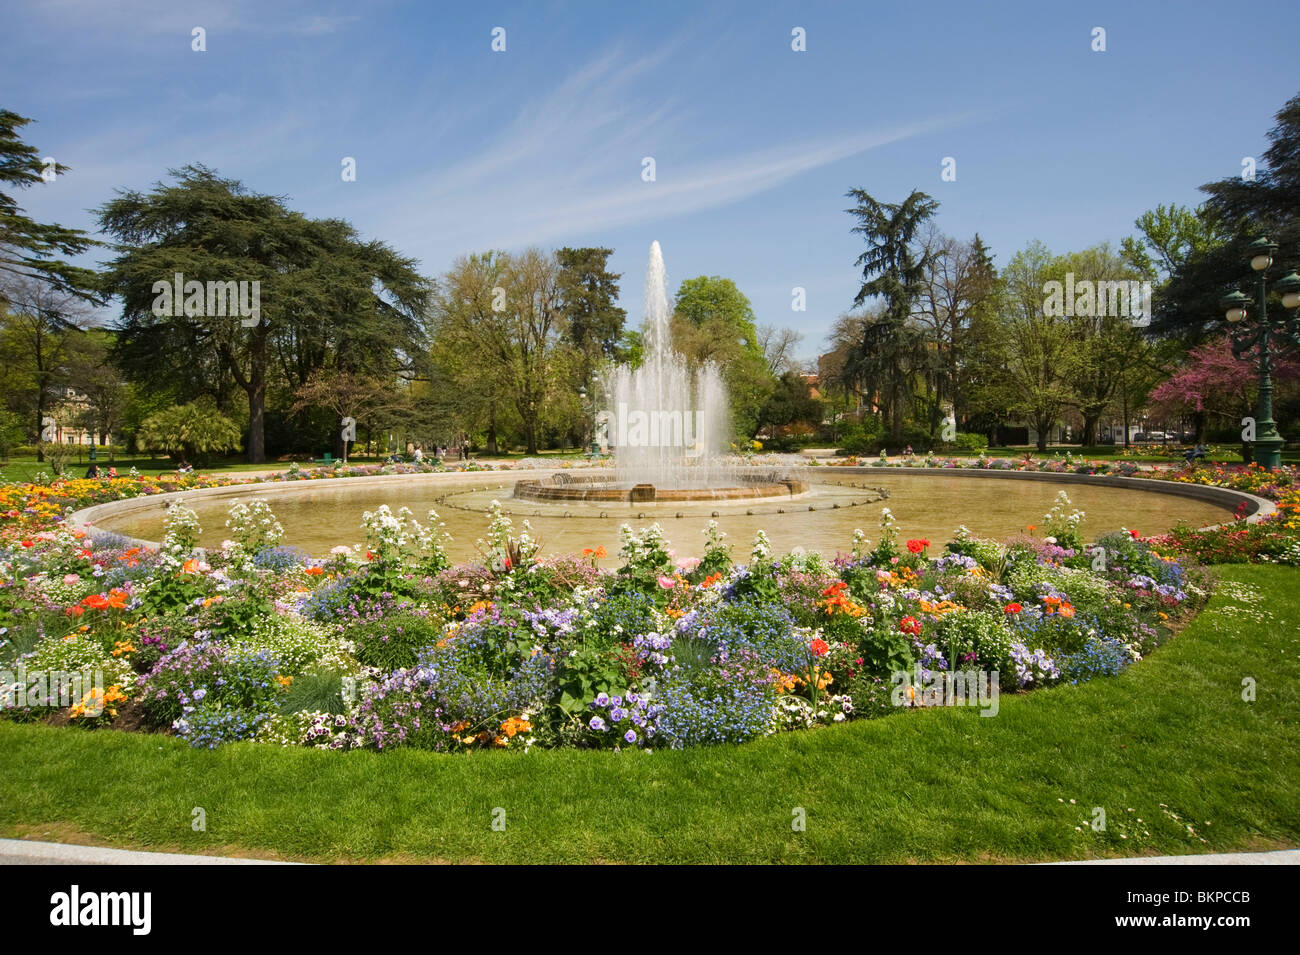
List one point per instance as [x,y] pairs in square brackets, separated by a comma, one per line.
[1090,430]
[257,413]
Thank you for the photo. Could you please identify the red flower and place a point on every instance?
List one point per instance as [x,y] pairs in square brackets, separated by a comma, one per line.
[916,546]
[819,647]
[910,625]
[1012,608]
[1133,534]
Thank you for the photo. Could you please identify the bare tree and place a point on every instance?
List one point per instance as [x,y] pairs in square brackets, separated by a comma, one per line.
[778,346]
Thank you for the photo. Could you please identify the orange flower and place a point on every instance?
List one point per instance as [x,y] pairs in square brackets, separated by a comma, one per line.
[515,725]
[191,566]
[313,571]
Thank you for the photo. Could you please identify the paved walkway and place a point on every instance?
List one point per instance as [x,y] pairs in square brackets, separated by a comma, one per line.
[23,852]
[1278,857]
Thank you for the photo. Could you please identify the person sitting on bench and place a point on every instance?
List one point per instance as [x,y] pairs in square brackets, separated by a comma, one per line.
[1194,454]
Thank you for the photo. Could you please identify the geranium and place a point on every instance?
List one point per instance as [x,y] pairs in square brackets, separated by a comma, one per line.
[1012,608]
[910,625]
[918,545]
[819,647]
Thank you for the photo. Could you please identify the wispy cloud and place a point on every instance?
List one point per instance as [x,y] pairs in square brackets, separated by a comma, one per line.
[570,163]
[319,26]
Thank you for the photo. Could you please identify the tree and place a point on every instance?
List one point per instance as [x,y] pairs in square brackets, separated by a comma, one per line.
[713,321]
[92,373]
[323,290]
[1214,382]
[499,333]
[350,395]
[28,249]
[893,270]
[42,317]
[1238,210]
[1103,344]
[778,345]
[189,432]
[791,402]
[959,284]
[1035,352]
[588,291]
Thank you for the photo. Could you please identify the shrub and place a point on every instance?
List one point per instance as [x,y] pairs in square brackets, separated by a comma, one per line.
[976,638]
[707,706]
[193,431]
[393,642]
[214,675]
[967,441]
[1100,656]
[296,644]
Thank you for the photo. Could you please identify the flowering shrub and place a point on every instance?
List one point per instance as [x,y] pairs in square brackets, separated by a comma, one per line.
[386,645]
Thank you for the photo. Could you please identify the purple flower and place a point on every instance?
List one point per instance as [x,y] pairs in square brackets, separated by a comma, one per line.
[630,736]
[597,724]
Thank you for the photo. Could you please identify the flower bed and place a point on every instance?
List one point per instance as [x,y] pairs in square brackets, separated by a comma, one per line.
[386,645]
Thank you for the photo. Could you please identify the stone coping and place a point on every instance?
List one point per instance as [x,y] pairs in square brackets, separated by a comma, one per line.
[1229,498]
[86,519]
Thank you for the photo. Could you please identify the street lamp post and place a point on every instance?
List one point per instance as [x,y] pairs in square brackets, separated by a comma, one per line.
[1269,336]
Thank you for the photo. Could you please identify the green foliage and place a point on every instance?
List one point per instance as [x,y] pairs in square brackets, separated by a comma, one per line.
[982,633]
[31,246]
[193,431]
[393,642]
[315,692]
[966,441]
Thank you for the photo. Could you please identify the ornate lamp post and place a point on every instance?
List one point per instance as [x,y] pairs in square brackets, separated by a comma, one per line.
[1270,336]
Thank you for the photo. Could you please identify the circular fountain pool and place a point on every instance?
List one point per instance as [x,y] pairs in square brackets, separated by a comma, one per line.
[319,515]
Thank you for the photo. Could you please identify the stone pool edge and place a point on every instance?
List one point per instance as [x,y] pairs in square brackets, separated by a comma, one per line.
[85,519]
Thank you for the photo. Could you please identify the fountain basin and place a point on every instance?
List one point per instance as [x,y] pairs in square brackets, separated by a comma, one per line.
[568,487]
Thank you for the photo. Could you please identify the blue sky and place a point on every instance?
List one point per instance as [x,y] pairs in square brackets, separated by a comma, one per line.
[460,148]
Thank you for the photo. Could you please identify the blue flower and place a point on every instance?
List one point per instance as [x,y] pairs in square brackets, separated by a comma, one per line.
[597,724]
[630,736]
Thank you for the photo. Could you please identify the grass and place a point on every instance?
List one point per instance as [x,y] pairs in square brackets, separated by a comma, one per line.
[24,468]
[932,786]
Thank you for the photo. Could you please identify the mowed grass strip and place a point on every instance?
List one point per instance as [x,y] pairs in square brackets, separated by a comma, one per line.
[1171,739]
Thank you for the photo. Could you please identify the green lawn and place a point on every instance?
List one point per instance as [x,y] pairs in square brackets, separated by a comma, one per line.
[20,469]
[939,785]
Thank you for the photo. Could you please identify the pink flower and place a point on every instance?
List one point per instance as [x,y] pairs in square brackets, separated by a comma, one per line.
[71,579]
[667,583]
